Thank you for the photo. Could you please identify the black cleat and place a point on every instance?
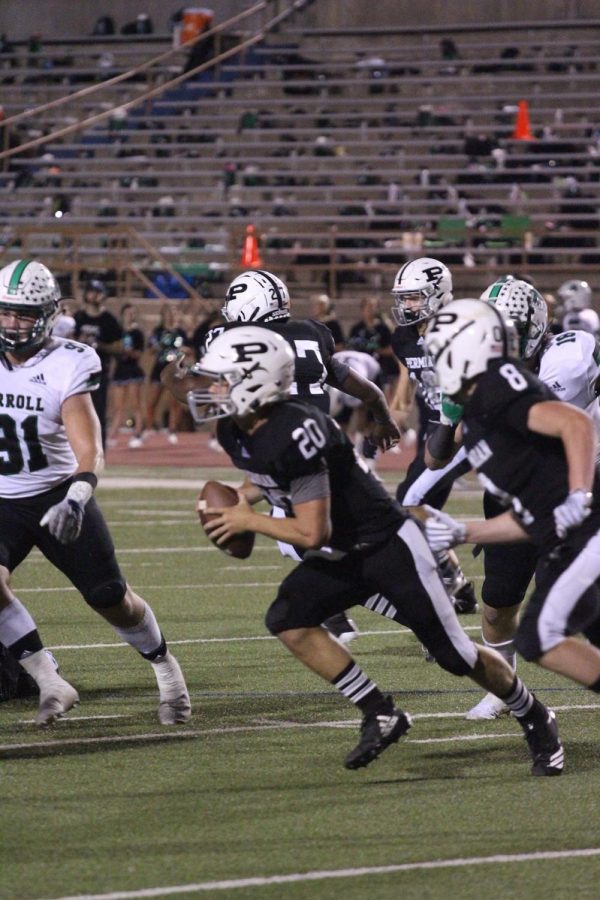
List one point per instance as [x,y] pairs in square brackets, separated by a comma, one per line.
[464,599]
[541,733]
[341,627]
[377,731]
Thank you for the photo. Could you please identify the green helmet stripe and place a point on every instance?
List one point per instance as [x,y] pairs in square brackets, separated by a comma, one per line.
[496,290]
[17,275]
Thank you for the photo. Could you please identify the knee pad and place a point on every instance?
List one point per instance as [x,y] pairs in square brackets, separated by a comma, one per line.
[109,593]
[275,618]
[284,615]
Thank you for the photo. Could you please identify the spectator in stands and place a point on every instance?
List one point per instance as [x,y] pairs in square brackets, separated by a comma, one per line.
[167,341]
[105,25]
[7,59]
[34,48]
[96,326]
[371,334]
[142,24]
[202,51]
[229,177]
[448,49]
[247,120]
[580,207]
[478,145]
[164,208]
[323,146]
[322,310]
[128,379]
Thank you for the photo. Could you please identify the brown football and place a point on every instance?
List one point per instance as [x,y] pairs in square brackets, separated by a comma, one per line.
[217,494]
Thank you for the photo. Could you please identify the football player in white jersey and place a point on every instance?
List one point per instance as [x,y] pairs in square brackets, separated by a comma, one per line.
[50,459]
[568,364]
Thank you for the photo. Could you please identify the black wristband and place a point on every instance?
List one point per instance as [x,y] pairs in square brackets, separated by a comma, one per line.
[88,477]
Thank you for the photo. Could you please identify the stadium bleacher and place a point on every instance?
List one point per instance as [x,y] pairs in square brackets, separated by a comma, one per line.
[347,154]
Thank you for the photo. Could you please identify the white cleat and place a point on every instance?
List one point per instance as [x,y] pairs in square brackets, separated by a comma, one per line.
[174,707]
[56,699]
[491,707]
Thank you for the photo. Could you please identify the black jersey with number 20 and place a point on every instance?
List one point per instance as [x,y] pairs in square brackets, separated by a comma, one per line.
[299,441]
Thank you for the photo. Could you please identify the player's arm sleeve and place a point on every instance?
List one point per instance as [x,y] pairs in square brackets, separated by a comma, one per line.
[337,372]
[310,487]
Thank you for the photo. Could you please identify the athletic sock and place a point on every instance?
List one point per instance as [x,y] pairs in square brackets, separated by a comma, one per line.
[519,699]
[18,631]
[358,687]
[146,636]
[506,649]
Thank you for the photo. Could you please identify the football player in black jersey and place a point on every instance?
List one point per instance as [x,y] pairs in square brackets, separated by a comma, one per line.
[537,456]
[355,540]
[421,288]
[257,296]
[508,568]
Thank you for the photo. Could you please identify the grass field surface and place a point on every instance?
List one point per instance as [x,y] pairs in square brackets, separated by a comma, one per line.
[251,799]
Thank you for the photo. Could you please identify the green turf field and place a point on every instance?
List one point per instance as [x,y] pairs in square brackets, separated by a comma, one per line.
[251,798]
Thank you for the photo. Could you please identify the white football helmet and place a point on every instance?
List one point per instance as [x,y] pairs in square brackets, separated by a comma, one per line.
[29,289]
[574,295]
[256,296]
[243,369]
[462,339]
[426,282]
[582,320]
[521,302]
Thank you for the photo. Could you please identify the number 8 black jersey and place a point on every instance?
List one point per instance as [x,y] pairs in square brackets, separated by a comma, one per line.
[35,454]
[313,346]
[521,468]
[301,454]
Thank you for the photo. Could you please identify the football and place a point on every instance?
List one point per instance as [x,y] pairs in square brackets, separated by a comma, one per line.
[217,494]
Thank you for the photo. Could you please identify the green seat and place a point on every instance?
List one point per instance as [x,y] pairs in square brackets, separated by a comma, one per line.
[512,231]
[515,227]
[451,231]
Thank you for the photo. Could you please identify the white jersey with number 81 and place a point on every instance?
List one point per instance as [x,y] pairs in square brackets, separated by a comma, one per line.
[35,454]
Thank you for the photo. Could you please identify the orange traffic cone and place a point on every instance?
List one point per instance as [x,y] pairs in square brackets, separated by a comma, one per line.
[250,254]
[522,130]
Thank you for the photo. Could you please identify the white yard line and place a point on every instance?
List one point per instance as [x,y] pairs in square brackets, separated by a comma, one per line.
[502,859]
[160,587]
[229,640]
[189,733]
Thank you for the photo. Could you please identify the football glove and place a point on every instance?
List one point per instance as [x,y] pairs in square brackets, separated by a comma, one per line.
[64,520]
[572,511]
[442,531]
